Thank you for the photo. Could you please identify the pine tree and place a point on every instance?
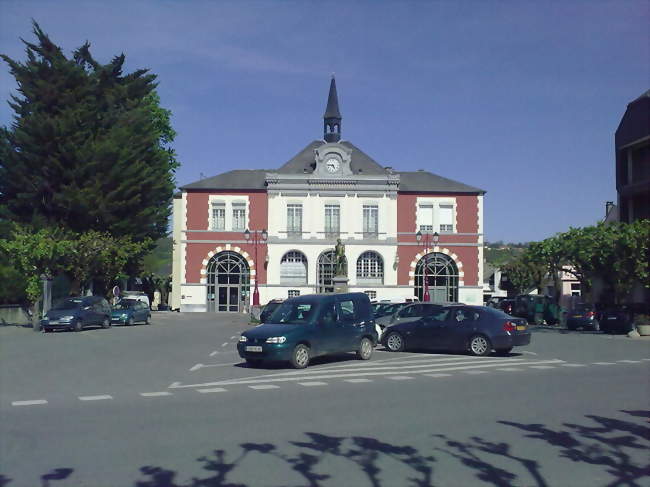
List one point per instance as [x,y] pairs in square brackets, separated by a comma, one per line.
[88,148]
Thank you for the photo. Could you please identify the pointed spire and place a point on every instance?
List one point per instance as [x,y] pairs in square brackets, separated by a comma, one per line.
[332,110]
[332,117]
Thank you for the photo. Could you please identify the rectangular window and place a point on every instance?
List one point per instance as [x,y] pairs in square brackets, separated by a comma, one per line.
[294,220]
[370,221]
[293,293]
[371,294]
[238,217]
[446,218]
[332,220]
[218,216]
[425,218]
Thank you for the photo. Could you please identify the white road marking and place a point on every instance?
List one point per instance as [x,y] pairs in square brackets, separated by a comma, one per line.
[100,397]
[400,377]
[475,372]
[603,363]
[212,354]
[225,344]
[352,373]
[510,369]
[155,394]
[204,366]
[214,389]
[646,359]
[233,337]
[438,375]
[529,353]
[357,381]
[196,367]
[312,384]
[265,386]
[29,403]
[573,365]
[542,367]
[629,361]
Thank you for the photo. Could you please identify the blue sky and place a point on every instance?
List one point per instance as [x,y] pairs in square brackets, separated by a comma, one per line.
[520,98]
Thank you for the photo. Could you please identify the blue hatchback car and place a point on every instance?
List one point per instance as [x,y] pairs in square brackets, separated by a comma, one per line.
[131,311]
[309,326]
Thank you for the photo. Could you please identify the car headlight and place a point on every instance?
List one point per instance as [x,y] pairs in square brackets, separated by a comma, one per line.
[66,318]
[45,318]
[243,339]
[124,315]
[276,339]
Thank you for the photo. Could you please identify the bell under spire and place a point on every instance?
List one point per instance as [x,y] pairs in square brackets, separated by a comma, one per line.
[332,117]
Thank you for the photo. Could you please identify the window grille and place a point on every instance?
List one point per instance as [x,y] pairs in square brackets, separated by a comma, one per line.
[293,293]
[332,221]
[370,221]
[294,220]
[238,217]
[446,218]
[371,294]
[293,268]
[218,216]
[370,268]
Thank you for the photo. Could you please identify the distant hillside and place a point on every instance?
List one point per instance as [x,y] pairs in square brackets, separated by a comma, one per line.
[499,253]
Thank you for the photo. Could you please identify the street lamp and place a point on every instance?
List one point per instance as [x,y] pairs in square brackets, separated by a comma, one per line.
[256,237]
[426,243]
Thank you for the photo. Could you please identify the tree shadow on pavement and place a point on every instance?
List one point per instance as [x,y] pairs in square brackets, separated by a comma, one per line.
[46,479]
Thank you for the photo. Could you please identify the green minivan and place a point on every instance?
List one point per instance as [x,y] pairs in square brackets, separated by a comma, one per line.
[309,326]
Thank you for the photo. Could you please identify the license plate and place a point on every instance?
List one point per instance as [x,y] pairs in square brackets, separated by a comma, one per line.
[253,348]
[612,318]
[521,327]
[577,316]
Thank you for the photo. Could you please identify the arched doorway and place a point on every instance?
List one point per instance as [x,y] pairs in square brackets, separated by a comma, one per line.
[326,270]
[228,282]
[442,278]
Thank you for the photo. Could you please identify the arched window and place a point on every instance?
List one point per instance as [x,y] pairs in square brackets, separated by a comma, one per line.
[228,282]
[326,271]
[370,268]
[293,268]
[441,276]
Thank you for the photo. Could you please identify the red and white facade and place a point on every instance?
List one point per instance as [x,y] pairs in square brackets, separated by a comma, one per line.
[331,190]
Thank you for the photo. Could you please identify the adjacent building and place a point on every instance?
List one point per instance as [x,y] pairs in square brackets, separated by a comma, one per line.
[277,229]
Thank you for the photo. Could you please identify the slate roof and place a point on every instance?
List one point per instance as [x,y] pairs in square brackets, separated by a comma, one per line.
[423,181]
[303,162]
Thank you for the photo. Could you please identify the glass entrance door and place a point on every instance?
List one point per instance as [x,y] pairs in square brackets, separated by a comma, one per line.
[228,283]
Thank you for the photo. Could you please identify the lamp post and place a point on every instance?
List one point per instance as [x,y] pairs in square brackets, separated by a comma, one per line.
[256,237]
[426,243]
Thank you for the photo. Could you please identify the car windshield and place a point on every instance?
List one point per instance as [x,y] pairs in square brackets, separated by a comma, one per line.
[294,313]
[68,304]
[583,308]
[125,304]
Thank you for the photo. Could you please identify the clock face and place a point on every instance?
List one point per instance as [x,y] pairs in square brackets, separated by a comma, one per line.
[332,165]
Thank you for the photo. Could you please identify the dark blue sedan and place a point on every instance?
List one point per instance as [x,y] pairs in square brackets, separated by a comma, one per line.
[474,329]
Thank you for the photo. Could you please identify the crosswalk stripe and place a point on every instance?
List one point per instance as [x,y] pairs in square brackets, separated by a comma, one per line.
[312,384]
[573,365]
[95,398]
[345,374]
[438,375]
[629,361]
[400,377]
[264,386]
[211,390]
[604,363]
[475,372]
[155,394]
[510,369]
[542,367]
[357,381]
[29,403]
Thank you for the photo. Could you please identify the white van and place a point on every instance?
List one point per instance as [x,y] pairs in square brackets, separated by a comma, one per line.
[137,296]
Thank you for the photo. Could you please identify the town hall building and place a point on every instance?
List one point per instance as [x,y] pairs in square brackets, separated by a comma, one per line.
[276,230]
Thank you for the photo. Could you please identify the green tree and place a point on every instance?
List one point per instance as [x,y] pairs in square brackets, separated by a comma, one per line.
[524,274]
[89,147]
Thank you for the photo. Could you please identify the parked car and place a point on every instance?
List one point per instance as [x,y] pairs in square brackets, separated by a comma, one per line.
[386,309]
[138,296]
[583,316]
[506,305]
[130,311]
[474,329]
[270,307]
[309,326]
[537,309]
[77,313]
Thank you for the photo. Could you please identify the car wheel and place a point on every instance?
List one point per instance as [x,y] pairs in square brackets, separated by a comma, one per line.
[300,357]
[365,349]
[106,323]
[479,345]
[78,326]
[253,362]
[130,322]
[147,320]
[596,325]
[394,342]
[504,351]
